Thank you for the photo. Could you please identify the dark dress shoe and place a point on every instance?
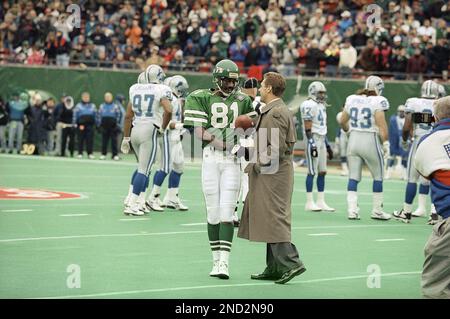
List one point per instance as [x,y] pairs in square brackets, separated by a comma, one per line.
[288,275]
[264,276]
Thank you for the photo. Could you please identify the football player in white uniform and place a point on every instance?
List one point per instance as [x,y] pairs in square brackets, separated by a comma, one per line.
[173,160]
[314,116]
[424,104]
[150,110]
[364,117]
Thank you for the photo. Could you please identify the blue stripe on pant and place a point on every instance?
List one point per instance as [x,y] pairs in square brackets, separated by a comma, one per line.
[153,153]
[166,166]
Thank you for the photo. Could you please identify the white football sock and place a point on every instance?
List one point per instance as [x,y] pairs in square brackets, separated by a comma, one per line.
[133,199]
[422,202]
[309,197]
[377,201]
[156,190]
[216,255]
[321,197]
[407,208]
[224,256]
[352,201]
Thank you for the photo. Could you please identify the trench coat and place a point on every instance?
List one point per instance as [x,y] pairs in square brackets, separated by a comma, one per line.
[266,216]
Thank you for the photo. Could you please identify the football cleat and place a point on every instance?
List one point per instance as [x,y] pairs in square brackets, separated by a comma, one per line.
[380,215]
[103,157]
[419,213]
[324,207]
[78,156]
[154,205]
[312,207]
[174,204]
[116,158]
[236,223]
[402,216]
[91,156]
[433,219]
[223,270]
[352,215]
[144,208]
[215,270]
[133,211]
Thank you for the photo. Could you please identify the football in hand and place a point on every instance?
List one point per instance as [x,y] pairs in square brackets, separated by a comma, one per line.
[244,122]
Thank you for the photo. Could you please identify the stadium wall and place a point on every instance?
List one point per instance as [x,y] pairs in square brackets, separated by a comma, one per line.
[98,81]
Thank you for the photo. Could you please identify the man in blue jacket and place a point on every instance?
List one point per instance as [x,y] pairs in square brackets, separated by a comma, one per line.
[432,161]
[109,116]
[16,108]
[84,117]
[396,152]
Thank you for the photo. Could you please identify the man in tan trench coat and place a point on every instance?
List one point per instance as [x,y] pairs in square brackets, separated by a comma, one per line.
[266,215]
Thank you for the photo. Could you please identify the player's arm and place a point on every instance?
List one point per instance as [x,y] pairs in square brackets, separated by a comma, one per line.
[407,127]
[380,121]
[127,122]
[167,116]
[344,121]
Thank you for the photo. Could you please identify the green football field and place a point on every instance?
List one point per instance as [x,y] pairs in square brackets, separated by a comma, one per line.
[87,248]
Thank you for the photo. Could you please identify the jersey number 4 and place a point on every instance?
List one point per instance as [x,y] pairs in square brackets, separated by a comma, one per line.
[219,111]
[366,119]
[137,104]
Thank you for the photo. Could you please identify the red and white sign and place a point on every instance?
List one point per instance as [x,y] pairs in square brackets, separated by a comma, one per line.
[19,193]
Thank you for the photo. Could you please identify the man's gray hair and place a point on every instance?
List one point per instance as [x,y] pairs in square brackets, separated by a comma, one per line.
[442,108]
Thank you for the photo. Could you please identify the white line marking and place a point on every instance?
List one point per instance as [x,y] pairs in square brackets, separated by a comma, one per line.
[9,240]
[73,215]
[133,219]
[130,292]
[194,224]
[323,234]
[390,239]
[16,210]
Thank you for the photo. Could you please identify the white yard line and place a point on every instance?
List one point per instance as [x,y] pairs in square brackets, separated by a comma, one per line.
[133,219]
[193,224]
[9,240]
[390,239]
[131,292]
[323,234]
[74,215]
[16,210]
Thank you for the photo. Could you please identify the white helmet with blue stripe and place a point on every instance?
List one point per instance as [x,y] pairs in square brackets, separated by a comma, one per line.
[430,89]
[375,83]
[154,74]
[317,92]
[142,79]
[179,85]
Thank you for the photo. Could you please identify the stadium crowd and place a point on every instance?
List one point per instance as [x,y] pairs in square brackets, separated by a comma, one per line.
[331,38]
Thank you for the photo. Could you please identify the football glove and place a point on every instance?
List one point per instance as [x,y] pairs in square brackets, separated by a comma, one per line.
[386,146]
[125,146]
[313,147]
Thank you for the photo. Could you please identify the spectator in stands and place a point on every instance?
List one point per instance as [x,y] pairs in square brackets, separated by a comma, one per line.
[16,110]
[442,55]
[417,65]
[213,56]
[382,55]
[315,24]
[62,48]
[35,55]
[367,57]
[84,117]
[99,38]
[289,59]
[332,59]
[313,57]
[238,51]
[398,63]
[108,119]
[221,40]
[346,22]
[347,59]
[4,118]
[270,38]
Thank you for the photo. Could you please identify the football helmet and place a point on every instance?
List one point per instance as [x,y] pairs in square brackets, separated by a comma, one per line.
[430,89]
[179,85]
[375,83]
[154,74]
[317,92]
[142,79]
[226,77]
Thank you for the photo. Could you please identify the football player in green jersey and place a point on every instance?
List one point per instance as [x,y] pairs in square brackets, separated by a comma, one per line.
[212,113]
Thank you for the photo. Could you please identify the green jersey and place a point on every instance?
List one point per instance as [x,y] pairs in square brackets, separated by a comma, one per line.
[216,113]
